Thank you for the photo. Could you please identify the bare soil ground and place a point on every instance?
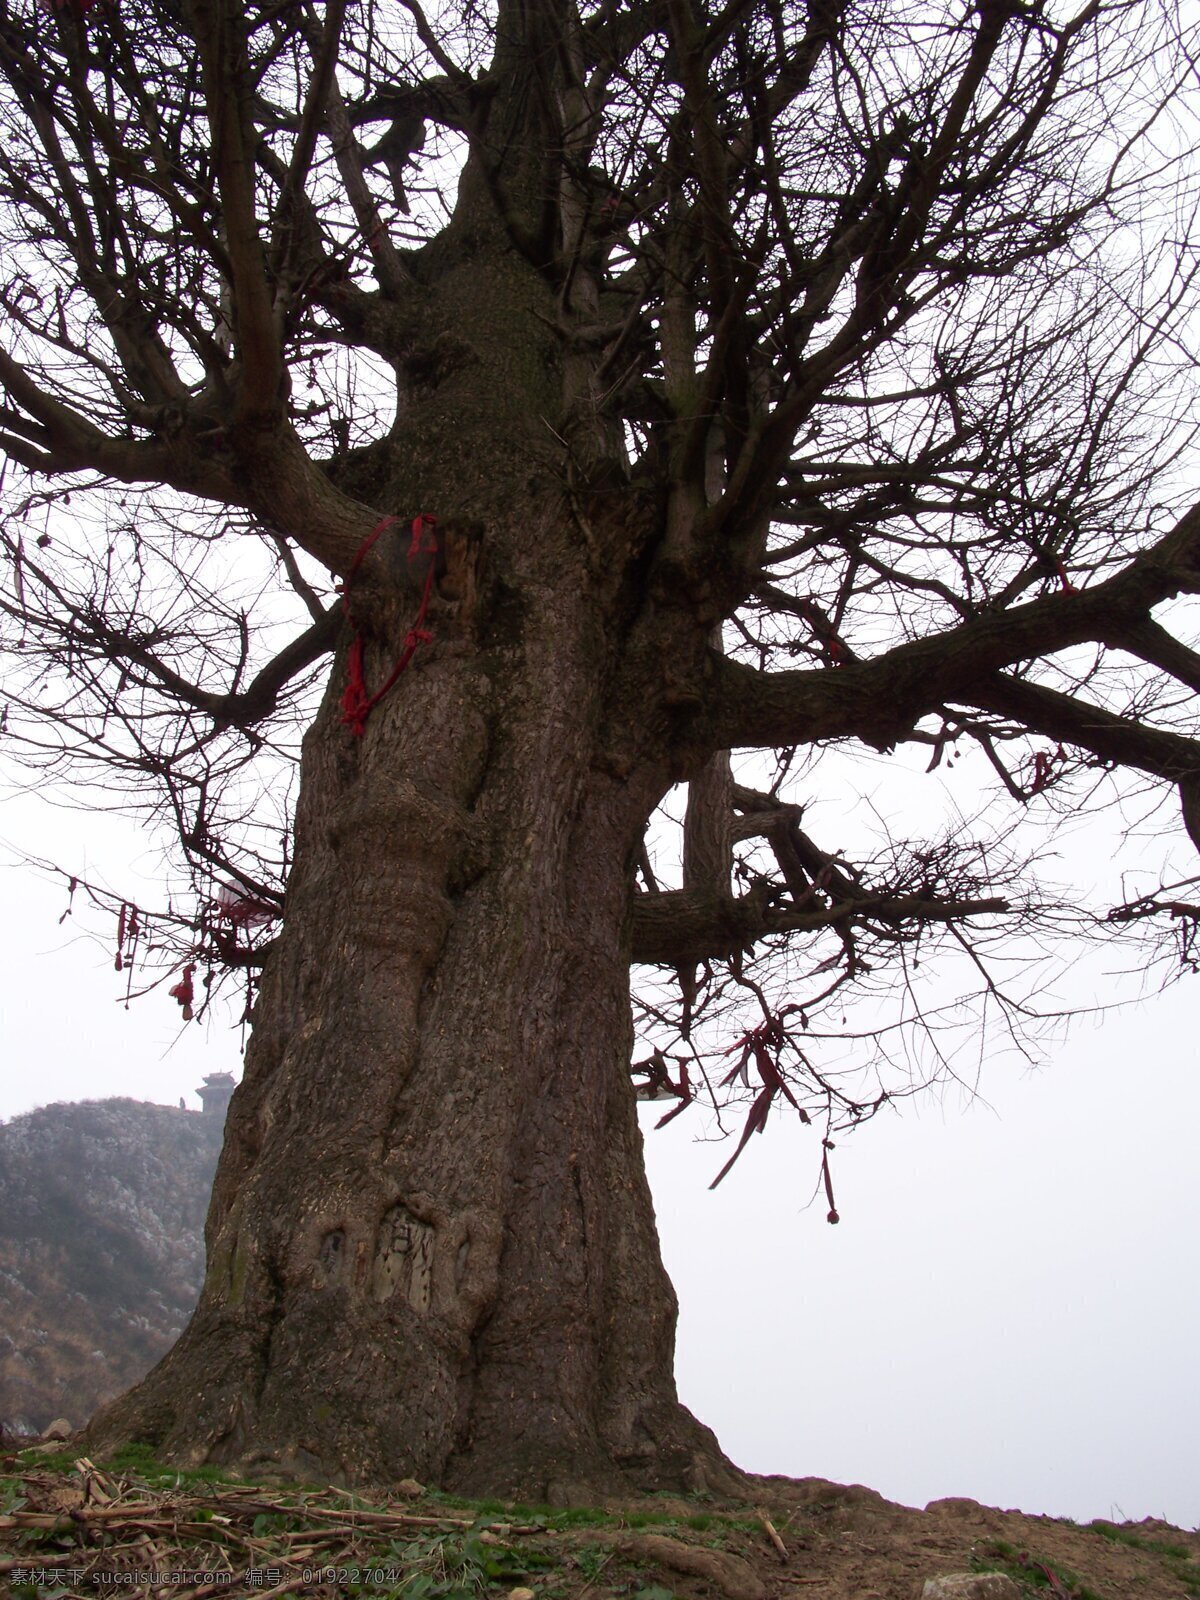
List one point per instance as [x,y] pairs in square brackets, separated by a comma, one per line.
[852,1544]
[135,1527]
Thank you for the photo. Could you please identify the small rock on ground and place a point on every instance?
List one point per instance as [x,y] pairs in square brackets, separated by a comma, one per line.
[970,1586]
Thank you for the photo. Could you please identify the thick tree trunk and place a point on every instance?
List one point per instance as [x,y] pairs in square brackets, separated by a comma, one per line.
[432,1249]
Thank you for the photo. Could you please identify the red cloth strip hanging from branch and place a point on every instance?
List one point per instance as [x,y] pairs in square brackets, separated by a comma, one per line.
[357,702]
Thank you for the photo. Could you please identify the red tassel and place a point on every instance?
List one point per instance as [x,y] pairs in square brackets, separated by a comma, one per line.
[356,703]
[184,992]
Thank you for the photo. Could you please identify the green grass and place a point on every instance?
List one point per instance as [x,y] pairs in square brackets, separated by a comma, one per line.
[1025,1569]
[34,1459]
[558,1519]
[1139,1541]
[1176,1558]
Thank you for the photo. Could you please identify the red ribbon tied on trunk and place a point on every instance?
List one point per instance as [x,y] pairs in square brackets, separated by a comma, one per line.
[357,701]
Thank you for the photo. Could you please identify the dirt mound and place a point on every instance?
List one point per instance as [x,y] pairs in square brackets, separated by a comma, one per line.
[850,1542]
[119,1528]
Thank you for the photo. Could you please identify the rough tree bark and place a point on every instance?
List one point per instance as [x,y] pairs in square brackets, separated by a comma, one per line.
[432,1248]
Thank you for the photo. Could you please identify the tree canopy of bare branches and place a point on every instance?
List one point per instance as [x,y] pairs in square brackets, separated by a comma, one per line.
[575,396]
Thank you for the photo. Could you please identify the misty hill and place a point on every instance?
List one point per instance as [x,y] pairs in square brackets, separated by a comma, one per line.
[102,1207]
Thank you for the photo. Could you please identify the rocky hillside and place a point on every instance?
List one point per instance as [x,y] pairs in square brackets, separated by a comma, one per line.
[102,1209]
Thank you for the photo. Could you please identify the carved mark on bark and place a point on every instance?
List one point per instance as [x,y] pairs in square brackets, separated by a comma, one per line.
[404,1259]
[331,1257]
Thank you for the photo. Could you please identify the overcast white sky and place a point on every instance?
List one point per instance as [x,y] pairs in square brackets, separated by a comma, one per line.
[1008,1309]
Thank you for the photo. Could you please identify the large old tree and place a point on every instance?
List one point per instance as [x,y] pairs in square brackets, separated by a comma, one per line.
[657,379]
